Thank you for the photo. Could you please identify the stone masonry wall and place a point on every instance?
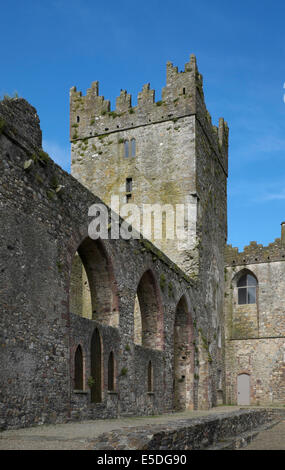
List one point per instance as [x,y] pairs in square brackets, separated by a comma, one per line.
[228,431]
[44,222]
[255,333]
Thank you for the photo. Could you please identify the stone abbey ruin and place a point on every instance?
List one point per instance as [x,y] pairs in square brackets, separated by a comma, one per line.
[124,327]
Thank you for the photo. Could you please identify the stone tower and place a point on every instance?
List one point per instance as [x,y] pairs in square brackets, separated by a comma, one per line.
[165,152]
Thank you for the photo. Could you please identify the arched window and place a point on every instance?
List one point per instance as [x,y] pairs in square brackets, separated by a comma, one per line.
[137,323]
[129,187]
[219,337]
[78,369]
[79,293]
[183,356]
[126,146]
[247,289]
[96,367]
[133,147]
[111,372]
[92,292]
[148,317]
[149,377]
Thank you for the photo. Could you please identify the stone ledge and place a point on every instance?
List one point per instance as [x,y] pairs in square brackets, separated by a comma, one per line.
[227,430]
[242,440]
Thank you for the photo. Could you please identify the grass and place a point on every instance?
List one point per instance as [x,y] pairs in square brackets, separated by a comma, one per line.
[6,96]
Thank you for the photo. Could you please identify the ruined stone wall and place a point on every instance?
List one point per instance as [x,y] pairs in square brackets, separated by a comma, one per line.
[255,333]
[44,222]
[228,431]
[211,184]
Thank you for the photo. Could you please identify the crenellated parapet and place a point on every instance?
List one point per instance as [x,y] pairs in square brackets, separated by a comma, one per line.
[91,115]
[255,253]
[146,97]
[123,102]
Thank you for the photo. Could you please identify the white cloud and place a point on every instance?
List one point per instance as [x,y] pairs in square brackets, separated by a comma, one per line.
[274,196]
[60,154]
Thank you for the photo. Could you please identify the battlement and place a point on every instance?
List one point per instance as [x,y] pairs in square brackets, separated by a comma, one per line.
[257,253]
[91,115]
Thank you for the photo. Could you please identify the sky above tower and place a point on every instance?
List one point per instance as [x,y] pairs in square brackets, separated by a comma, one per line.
[48,47]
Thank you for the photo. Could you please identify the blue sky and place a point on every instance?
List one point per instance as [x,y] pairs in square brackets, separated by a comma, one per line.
[49,46]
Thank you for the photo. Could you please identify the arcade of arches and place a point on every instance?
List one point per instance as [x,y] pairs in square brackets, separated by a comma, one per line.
[93,296]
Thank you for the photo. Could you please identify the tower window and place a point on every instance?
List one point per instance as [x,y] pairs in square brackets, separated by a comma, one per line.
[133,147]
[184,90]
[129,185]
[247,289]
[126,144]
[78,119]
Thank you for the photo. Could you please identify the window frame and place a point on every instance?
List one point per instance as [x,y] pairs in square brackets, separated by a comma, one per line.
[133,147]
[126,149]
[246,290]
[111,372]
[79,368]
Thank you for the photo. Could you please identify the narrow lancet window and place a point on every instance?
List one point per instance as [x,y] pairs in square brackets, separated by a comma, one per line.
[111,372]
[126,145]
[133,147]
[78,369]
[149,377]
[129,185]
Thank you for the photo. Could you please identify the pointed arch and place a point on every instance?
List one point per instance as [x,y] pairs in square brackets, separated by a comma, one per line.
[246,283]
[78,369]
[79,289]
[183,337]
[126,148]
[92,286]
[133,147]
[137,322]
[149,309]
[244,271]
